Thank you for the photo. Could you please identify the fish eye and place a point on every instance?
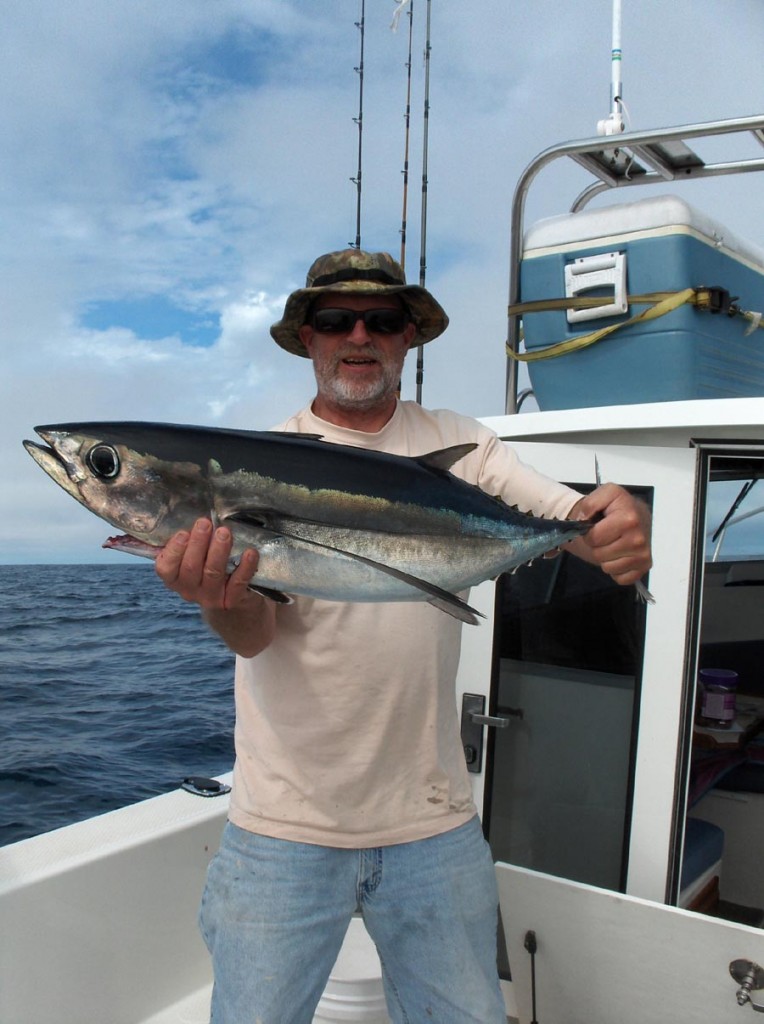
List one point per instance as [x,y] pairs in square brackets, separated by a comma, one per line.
[104,461]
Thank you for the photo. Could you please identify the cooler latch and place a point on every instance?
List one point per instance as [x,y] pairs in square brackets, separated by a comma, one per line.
[716,299]
[604,272]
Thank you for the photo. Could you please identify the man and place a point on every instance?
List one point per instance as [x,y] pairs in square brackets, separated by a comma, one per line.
[350,787]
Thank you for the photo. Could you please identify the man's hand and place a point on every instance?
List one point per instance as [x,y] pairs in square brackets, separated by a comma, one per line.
[620,541]
[195,565]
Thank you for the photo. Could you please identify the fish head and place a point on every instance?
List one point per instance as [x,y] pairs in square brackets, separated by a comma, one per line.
[134,490]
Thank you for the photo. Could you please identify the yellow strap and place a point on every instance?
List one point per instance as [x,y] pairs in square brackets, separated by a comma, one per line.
[667,305]
[582,302]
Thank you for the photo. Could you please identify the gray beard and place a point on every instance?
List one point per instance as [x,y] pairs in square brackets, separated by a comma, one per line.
[358,395]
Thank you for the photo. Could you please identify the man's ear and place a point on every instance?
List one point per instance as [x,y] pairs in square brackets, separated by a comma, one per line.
[306,336]
[408,334]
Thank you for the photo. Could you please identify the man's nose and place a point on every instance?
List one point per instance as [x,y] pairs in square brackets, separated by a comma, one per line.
[360,334]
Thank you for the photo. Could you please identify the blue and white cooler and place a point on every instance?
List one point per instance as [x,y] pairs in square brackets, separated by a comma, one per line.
[635,256]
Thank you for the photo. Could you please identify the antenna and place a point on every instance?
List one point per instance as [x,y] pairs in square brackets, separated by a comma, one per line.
[357,181]
[614,124]
[423,249]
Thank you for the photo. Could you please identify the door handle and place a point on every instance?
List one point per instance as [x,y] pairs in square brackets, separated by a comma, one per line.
[496,721]
[489,720]
[473,720]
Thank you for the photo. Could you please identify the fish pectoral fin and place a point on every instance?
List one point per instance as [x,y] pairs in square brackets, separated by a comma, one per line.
[461,611]
[444,458]
[250,517]
[437,596]
[273,595]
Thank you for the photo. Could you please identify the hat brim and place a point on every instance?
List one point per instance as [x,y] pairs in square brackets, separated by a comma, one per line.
[427,315]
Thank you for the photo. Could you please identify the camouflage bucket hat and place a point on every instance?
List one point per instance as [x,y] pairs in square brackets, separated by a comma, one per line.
[358,273]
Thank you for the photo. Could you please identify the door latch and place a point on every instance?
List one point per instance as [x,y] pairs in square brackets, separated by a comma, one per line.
[473,720]
[750,977]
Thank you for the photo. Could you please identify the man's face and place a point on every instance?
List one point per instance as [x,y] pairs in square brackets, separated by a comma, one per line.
[357,370]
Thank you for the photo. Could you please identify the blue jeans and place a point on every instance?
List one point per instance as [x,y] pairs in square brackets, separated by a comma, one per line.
[274,914]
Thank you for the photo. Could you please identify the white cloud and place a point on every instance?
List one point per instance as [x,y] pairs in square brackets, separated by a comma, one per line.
[203,152]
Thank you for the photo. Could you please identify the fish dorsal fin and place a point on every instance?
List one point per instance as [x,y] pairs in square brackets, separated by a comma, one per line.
[444,458]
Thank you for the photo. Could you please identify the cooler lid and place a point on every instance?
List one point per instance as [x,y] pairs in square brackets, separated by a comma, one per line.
[622,222]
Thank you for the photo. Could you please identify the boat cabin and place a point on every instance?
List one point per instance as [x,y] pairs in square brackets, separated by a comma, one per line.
[605,763]
[623,792]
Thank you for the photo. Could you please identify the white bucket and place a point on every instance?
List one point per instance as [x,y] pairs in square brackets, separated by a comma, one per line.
[354,991]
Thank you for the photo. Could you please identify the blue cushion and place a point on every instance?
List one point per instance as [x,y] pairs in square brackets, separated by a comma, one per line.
[703,845]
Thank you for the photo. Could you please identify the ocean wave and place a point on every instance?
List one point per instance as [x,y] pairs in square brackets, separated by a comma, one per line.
[112,689]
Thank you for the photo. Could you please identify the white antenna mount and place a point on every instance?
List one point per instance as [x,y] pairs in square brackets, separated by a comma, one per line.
[614,124]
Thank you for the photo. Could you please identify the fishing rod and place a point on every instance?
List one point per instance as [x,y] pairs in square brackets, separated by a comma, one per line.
[407,135]
[358,180]
[407,130]
[423,229]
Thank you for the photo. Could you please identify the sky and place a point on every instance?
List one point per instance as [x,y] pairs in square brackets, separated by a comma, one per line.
[168,171]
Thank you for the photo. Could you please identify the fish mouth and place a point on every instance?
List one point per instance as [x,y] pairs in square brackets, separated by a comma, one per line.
[132,545]
[49,460]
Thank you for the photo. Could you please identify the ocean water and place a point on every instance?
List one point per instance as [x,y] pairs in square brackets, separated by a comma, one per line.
[111,690]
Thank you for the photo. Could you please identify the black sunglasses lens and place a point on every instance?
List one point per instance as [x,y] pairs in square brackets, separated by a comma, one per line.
[342,321]
[334,321]
[384,321]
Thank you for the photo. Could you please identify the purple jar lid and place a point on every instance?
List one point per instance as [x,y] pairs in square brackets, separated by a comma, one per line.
[718,677]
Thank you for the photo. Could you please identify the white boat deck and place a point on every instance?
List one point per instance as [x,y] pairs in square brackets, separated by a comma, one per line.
[192,1009]
[119,893]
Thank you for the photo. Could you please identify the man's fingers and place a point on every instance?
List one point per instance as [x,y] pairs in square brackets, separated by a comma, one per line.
[246,568]
[192,567]
[195,564]
[240,578]
[169,559]
[218,553]
[619,540]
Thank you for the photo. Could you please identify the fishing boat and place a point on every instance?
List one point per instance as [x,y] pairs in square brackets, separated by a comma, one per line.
[613,744]
[623,800]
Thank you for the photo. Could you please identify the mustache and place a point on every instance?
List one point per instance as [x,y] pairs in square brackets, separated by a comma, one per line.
[354,352]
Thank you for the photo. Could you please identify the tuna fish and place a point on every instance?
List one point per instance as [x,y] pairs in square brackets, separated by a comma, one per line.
[329,521]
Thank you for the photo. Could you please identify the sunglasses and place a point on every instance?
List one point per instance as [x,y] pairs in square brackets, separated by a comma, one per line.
[376,321]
